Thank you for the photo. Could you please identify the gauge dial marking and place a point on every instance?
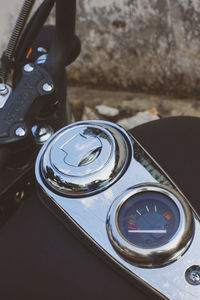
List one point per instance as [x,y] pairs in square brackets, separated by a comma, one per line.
[149,231]
[131,223]
[167,216]
[148,219]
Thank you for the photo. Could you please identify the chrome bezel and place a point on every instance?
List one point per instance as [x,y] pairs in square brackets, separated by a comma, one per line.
[151,257]
[82,185]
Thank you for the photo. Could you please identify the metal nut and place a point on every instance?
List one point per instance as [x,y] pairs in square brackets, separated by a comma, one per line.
[29,68]
[47,87]
[192,275]
[20,131]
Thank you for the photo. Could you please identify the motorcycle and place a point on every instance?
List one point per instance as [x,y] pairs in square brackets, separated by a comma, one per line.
[88,210]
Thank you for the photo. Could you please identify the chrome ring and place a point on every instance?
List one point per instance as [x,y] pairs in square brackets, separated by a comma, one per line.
[85,158]
[152,257]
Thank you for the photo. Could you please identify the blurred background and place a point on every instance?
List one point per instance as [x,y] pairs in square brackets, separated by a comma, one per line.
[139,58]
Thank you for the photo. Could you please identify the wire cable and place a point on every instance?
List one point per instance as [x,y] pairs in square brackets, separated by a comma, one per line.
[6,59]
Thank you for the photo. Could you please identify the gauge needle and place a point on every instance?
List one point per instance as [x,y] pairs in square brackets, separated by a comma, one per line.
[149,231]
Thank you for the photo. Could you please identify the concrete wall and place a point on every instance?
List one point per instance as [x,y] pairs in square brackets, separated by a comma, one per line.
[9,10]
[140,45]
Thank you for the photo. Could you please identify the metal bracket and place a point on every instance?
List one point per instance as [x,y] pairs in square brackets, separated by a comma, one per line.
[5,91]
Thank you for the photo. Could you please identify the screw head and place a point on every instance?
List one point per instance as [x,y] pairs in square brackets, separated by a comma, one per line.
[41,50]
[47,87]
[42,133]
[20,131]
[192,275]
[29,68]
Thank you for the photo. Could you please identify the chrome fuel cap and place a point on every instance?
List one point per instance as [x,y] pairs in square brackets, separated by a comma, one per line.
[85,157]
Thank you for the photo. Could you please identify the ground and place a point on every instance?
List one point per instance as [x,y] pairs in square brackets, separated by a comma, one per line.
[119,106]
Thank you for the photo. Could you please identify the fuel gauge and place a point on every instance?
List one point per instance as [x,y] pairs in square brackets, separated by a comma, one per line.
[148,220]
[150,225]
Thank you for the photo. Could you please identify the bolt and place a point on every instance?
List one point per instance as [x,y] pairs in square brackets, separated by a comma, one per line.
[29,68]
[41,59]
[47,87]
[41,49]
[193,275]
[3,89]
[20,131]
[42,133]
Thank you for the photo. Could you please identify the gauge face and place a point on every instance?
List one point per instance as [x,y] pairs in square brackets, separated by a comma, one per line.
[148,219]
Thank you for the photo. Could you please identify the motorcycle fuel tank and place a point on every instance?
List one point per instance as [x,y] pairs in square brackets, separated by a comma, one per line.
[100,180]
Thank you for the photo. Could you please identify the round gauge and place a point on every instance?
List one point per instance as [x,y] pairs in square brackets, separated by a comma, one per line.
[148,219]
[150,225]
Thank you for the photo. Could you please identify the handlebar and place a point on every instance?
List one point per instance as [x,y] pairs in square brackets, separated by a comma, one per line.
[32,29]
[63,38]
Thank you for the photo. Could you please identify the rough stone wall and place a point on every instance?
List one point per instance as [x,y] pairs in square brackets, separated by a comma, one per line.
[7,20]
[139,45]
[9,10]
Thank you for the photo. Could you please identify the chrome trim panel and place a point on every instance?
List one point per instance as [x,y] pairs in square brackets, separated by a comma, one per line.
[89,214]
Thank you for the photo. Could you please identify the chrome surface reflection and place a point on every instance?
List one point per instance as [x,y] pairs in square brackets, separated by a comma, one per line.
[85,158]
[152,256]
[89,215]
